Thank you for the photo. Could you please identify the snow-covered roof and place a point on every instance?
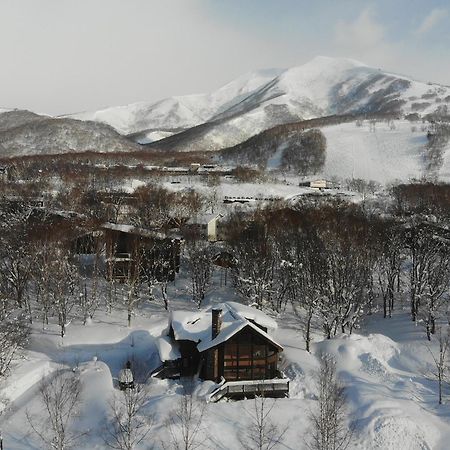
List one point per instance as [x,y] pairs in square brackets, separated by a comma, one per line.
[167,349]
[203,219]
[133,230]
[196,326]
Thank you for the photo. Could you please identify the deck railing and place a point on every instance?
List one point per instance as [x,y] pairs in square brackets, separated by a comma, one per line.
[278,387]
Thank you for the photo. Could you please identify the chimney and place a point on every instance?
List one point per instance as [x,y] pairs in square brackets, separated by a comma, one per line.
[216,322]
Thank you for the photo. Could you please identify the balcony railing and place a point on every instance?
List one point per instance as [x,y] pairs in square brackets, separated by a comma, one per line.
[278,387]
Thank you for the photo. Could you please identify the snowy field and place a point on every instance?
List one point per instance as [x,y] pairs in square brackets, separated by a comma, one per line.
[384,155]
[385,366]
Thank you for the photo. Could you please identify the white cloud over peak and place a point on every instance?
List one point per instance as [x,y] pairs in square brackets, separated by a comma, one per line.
[365,39]
[434,17]
[365,32]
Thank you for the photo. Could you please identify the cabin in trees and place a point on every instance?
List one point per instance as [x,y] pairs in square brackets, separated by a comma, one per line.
[229,344]
[205,226]
[133,252]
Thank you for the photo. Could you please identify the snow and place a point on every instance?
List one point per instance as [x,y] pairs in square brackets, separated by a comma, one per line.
[384,155]
[153,136]
[177,112]
[167,349]
[385,366]
[202,219]
[254,314]
[131,229]
[196,326]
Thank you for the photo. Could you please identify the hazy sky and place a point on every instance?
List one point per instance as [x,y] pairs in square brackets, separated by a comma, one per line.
[61,56]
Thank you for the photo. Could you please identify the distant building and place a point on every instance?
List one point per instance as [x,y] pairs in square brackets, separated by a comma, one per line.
[137,252]
[206,225]
[319,184]
[194,167]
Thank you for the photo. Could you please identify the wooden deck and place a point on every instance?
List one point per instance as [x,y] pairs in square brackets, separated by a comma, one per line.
[277,388]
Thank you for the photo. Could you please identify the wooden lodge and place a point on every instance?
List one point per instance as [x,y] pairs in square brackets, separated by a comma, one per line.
[134,252]
[228,344]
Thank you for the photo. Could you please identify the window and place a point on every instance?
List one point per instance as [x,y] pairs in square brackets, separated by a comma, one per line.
[248,357]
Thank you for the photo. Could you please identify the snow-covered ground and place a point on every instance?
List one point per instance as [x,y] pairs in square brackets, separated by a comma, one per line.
[384,155]
[385,366]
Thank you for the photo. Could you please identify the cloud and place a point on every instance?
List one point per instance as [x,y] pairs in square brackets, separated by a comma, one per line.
[435,16]
[365,39]
[364,33]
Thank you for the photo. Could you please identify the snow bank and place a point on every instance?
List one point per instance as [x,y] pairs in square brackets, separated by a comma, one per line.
[25,377]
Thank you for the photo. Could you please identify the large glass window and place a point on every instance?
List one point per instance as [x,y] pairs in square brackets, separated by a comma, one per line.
[248,357]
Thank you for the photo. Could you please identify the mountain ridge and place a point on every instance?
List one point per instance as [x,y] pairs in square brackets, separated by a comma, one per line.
[323,86]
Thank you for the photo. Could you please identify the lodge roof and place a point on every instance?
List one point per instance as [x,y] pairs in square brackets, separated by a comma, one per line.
[196,326]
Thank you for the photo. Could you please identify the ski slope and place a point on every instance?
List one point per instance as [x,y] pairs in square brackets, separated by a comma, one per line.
[383,155]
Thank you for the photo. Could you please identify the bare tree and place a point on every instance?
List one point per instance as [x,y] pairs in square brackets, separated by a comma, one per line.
[185,425]
[130,424]
[255,271]
[329,421]
[16,259]
[306,279]
[56,278]
[440,360]
[14,334]
[389,264]
[437,288]
[89,298]
[60,396]
[200,269]
[429,255]
[262,433]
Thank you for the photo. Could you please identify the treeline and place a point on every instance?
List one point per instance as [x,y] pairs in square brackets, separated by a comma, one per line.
[300,151]
[33,166]
[337,262]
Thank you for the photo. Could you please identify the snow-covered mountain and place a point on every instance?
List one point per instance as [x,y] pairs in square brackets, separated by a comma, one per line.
[178,113]
[262,99]
[241,109]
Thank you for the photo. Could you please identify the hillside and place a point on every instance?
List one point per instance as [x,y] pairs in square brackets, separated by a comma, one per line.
[16,118]
[25,133]
[392,150]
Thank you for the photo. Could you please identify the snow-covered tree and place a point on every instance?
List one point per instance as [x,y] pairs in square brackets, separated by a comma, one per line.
[60,396]
[185,425]
[262,433]
[199,265]
[130,424]
[14,333]
[329,421]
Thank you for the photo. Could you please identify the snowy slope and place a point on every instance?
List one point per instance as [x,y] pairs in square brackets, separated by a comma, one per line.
[179,112]
[384,155]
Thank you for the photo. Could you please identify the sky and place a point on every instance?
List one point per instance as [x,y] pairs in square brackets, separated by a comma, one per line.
[65,56]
